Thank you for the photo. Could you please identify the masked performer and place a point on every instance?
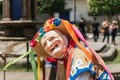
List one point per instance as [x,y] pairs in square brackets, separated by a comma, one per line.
[61,40]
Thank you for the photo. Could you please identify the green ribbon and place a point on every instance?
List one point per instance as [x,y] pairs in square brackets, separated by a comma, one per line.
[33,63]
[32,60]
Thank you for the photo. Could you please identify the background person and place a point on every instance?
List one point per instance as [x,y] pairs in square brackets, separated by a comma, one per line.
[114,28]
[95,29]
[106,27]
[82,27]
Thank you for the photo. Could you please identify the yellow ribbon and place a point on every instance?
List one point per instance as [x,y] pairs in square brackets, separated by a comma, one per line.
[38,66]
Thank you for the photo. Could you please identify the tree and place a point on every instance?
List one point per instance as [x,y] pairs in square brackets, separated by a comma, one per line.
[103,7]
[51,6]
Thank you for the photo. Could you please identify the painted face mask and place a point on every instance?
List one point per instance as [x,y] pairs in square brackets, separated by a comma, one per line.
[53,26]
[54,43]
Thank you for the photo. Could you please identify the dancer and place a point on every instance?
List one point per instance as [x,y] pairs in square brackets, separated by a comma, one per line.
[76,60]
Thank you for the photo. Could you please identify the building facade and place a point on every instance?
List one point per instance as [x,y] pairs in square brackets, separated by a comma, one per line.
[19,17]
[75,9]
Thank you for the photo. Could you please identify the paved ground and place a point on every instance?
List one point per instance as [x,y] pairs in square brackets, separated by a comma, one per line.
[12,48]
[17,76]
[101,37]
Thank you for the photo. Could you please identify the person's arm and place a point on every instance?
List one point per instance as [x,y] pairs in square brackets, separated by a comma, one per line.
[117,26]
[105,24]
[81,65]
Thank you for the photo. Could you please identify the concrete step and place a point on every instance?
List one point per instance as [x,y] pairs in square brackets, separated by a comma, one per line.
[106,52]
[109,53]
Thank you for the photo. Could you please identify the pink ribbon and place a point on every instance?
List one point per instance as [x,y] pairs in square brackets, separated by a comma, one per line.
[78,33]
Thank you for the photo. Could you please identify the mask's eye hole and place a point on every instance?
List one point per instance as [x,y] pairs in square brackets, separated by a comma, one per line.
[52,38]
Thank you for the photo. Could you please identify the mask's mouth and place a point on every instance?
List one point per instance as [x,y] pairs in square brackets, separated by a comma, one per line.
[56,50]
[55,46]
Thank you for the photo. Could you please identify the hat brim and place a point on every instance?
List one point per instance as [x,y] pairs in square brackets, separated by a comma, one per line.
[39,50]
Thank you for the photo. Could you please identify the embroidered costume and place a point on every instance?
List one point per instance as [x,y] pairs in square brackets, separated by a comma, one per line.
[81,59]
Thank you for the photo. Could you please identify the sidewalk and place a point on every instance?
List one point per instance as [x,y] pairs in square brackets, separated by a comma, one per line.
[17,76]
[101,37]
[114,68]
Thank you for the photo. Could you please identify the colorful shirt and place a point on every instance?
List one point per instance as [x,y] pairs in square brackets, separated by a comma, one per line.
[80,65]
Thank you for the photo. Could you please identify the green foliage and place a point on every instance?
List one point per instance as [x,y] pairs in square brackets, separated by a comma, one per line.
[51,6]
[103,7]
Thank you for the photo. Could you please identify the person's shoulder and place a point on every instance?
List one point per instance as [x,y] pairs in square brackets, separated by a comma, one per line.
[78,53]
[97,23]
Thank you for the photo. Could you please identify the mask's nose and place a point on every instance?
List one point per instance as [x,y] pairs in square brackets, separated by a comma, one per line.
[49,43]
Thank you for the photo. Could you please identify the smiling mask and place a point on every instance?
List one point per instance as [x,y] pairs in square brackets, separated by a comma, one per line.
[54,43]
[52,39]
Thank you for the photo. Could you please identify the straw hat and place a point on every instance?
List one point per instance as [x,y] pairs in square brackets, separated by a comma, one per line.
[50,24]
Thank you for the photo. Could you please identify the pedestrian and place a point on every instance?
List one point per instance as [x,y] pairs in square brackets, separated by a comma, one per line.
[106,27]
[76,60]
[82,27]
[95,29]
[113,28]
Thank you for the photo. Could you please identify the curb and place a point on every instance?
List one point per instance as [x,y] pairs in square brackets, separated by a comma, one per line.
[110,54]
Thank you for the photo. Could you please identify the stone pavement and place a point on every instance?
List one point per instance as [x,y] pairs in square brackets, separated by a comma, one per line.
[17,76]
[15,48]
[101,37]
